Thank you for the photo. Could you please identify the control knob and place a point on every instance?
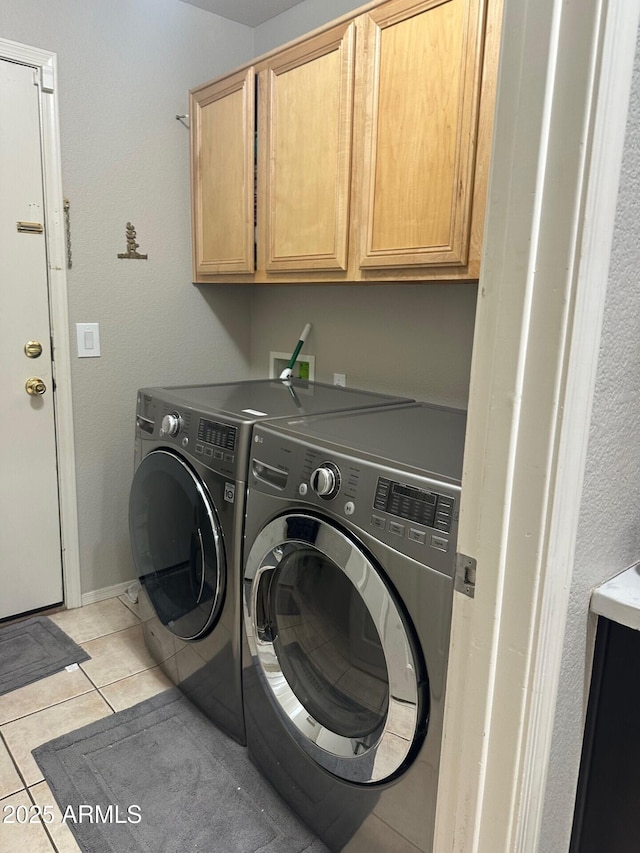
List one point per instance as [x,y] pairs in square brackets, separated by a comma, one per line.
[171,424]
[325,480]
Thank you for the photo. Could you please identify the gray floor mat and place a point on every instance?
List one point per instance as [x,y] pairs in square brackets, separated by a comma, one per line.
[195,789]
[34,649]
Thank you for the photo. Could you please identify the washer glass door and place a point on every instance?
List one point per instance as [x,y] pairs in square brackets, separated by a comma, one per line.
[176,542]
[333,649]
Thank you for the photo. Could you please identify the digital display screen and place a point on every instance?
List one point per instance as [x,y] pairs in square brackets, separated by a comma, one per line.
[416,505]
[217,434]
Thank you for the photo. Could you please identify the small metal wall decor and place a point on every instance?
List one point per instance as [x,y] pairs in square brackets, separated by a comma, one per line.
[67,229]
[132,246]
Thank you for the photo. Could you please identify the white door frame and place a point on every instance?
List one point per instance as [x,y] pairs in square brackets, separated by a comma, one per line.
[45,62]
[562,104]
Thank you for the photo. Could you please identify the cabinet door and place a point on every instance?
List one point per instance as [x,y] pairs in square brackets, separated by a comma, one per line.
[305,119]
[422,63]
[222,175]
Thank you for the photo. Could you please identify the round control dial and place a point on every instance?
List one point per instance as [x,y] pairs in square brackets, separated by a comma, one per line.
[171,424]
[325,480]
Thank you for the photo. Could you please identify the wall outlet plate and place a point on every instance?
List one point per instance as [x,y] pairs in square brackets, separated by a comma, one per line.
[304,368]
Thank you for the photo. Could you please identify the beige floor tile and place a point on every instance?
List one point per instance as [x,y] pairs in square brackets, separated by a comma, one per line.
[129,691]
[62,836]
[390,755]
[375,834]
[117,656]
[23,735]
[10,781]
[43,693]
[18,836]
[133,606]
[95,620]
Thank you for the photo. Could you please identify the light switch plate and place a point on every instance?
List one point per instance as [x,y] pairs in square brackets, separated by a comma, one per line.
[88,337]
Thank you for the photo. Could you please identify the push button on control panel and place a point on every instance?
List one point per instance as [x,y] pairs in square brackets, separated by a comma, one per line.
[440,543]
[418,536]
[444,513]
[396,528]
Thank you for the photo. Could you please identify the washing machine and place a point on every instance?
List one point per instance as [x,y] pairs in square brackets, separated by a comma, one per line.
[351,525]
[186,516]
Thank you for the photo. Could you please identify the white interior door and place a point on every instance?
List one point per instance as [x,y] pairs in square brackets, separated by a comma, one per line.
[30,552]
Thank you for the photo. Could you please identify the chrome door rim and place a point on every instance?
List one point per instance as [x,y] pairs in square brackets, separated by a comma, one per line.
[382,754]
[214,526]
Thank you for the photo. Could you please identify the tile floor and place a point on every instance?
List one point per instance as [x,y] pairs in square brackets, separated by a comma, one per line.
[119,674]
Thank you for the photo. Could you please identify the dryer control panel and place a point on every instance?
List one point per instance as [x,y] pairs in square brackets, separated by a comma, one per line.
[412,504]
[411,512]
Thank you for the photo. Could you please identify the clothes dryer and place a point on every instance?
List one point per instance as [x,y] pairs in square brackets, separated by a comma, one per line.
[186,516]
[350,552]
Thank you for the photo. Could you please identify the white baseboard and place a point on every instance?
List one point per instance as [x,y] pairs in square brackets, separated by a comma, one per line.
[106,592]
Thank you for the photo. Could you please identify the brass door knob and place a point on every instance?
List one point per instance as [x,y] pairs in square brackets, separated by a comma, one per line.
[33,349]
[35,386]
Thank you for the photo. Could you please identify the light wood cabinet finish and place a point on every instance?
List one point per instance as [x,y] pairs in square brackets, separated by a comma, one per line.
[421,84]
[306,108]
[222,175]
[374,139]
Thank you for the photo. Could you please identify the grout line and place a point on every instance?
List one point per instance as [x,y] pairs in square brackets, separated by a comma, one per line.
[90,680]
[14,762]
[42,823]
[40,711]
[107,701]
[82,643]
[129,606]
[50,705]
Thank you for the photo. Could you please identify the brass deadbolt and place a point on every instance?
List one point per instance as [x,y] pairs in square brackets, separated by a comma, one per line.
[33,349]
[35,386]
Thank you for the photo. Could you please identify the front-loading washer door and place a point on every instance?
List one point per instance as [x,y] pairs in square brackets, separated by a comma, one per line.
[177,545]
[333,649]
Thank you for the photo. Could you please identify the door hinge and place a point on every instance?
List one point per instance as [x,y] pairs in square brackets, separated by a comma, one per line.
[465,577]
[46,78]
[53,364]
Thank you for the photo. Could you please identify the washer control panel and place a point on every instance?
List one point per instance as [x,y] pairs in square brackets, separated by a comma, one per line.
[213,443]
[217,434]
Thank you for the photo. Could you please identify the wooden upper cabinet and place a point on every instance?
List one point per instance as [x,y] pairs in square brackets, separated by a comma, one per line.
[421,65]
[305,117]
[222,116]
[373,140]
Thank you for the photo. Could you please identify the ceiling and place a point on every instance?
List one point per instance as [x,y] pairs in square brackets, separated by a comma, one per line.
[249,12]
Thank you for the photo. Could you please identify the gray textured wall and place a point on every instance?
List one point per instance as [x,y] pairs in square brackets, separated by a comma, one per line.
[124,73]
[609,529]
[298,20]
[411,339]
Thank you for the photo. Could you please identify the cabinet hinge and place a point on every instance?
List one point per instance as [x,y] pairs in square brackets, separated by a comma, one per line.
[465,576]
